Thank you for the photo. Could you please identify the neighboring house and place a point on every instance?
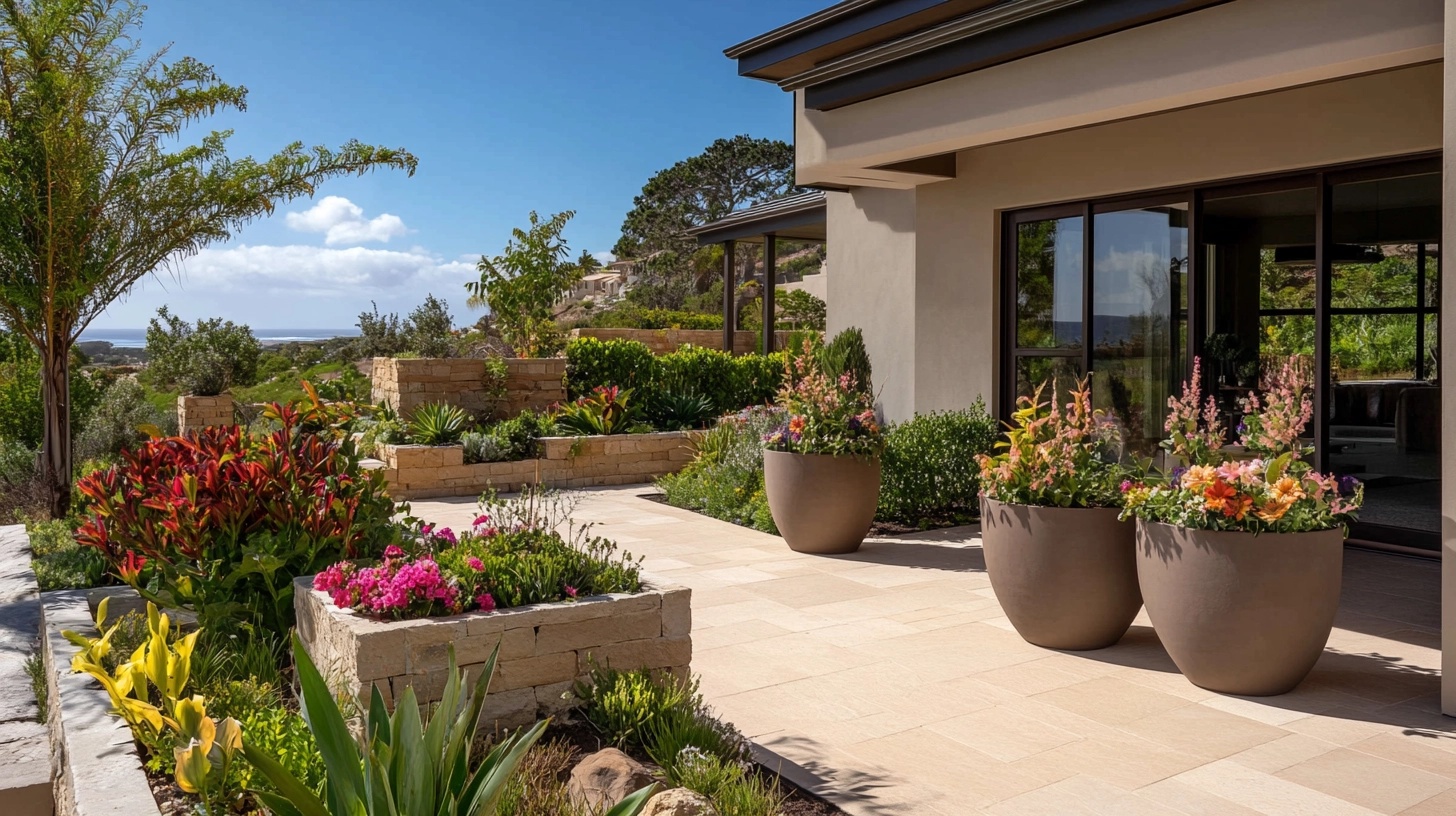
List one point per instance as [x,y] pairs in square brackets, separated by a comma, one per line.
[1028,188]
[599,287]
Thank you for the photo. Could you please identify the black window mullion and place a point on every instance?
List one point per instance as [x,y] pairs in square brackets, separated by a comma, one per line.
[1421,313]
[1323,280]
[1087,291]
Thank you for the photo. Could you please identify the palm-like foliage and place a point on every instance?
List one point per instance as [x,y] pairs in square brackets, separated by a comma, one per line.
[96,192]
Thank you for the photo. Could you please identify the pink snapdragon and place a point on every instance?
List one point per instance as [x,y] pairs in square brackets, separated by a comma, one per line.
[485,602]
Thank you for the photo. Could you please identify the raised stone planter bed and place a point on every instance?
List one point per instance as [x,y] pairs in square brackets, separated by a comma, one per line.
[25,785]
[406,384]
[94,759]
[196,413]
[424,471]
[544,648]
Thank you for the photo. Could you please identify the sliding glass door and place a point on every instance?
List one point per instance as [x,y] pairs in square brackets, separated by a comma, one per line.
[1337,270]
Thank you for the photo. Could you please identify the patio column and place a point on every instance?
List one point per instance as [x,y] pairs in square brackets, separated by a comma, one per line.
[770,275]
[730,322]
[1447,369]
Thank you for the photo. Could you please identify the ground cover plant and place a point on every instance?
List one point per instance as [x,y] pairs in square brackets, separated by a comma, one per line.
[725,478]
[665,717]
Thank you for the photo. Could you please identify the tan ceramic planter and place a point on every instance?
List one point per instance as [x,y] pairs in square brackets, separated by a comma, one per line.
[822,504]
[1066,576]
[1239,613]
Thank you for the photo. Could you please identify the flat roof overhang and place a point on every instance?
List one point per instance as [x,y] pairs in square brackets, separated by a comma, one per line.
[798,217]
[860,49]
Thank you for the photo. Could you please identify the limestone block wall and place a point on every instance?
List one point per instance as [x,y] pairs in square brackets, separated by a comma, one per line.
[424,471]
[544,648]
[406,384]
[666,341]
[196,413]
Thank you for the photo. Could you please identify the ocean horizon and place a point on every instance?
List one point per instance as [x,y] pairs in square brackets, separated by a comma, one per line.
[137,338]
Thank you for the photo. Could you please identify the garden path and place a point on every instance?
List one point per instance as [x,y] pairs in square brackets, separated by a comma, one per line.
[890,681]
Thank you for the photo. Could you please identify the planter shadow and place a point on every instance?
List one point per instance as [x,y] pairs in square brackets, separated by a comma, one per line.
[950,550]
[854,790]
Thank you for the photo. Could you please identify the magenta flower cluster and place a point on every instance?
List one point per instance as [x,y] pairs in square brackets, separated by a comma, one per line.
[396,588]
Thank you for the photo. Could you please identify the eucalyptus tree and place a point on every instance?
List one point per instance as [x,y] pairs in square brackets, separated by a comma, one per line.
[99,188]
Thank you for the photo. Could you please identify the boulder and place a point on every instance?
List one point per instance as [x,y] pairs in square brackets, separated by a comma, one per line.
[603,779]
[679,802]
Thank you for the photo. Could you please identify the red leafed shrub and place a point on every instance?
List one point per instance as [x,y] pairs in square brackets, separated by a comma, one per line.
[221,523]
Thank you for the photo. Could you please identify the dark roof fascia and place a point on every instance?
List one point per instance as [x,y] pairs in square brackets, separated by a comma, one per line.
[771,56]
[801,210]
[1053,24]
[1065,25]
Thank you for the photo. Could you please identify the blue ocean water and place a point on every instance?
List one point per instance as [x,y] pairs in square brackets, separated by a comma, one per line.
[137,338]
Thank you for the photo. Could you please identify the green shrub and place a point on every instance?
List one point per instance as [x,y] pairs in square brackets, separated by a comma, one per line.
[607,410]
[121,420]
[484,447]
[637,317]
[438,423]
[521,435]
[760,377]
[710,372]
[205,359]
[677,408]
[21,414]
[725,480]
[846,354]
[428,329]
[591,363]
[929,473]
[60,563]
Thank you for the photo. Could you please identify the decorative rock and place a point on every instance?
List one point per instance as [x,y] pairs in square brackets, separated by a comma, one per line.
[679,802]
[605,778]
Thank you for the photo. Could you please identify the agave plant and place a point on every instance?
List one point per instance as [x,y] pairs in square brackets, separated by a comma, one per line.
[438,423]
[677,409]
[404,765]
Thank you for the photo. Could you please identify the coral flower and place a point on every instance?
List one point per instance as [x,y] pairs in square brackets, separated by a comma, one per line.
[1238,507]
[1217,495]
[797,425]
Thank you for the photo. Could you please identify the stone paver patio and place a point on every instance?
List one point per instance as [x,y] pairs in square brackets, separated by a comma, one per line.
[891,682]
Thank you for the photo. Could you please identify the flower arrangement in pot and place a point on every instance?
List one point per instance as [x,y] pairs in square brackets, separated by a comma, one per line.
[1240,558]
[821,468]
[1062,563]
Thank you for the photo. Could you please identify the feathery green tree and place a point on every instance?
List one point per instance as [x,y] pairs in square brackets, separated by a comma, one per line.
[97,190]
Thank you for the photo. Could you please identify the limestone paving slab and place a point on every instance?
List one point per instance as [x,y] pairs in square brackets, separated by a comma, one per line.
[890,682]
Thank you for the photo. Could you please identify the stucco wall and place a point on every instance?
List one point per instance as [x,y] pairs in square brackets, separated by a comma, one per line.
[1236,49]
[927,298]
[873,242]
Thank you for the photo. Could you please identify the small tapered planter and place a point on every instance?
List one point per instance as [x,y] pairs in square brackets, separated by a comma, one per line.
[1239,613]
[822,504]
[1066,577]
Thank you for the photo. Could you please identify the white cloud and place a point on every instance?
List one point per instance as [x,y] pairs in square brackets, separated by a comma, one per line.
[319,271]
[605,257]
[342,222]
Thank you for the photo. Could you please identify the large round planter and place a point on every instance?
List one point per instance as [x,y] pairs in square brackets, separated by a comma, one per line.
[1239,613]
[1066,576]
[822,504]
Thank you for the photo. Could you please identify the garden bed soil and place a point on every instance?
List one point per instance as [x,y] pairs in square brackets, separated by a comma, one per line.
[585,740]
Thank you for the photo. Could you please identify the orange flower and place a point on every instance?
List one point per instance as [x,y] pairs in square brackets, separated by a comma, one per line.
[1273,510]
[1288,489]
[1217,495]
[797,424]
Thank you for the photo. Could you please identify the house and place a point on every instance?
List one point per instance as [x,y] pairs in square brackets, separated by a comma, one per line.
[599,287]
[1028,188]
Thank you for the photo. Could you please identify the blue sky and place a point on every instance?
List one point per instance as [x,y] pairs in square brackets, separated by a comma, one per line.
[544,104]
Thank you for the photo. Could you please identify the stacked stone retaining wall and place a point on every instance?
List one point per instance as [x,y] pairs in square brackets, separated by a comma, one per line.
[406,384]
